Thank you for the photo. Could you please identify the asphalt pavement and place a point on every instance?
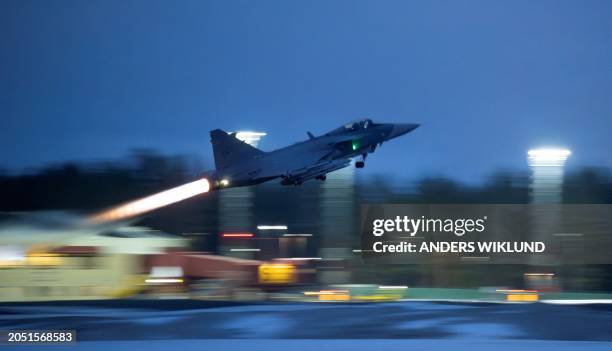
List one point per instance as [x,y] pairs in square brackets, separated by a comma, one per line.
[151,324]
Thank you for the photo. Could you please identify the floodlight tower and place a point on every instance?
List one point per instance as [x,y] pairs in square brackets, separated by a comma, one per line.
[337,209]
[546,190]
[547,174]
[236,204]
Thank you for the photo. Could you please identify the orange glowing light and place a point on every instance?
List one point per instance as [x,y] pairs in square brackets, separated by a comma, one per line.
[152,202]
[330,295]
[326,292]
[276,273]
[530,297]
[237,235]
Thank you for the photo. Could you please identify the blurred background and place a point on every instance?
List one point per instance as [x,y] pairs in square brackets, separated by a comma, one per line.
[267,242]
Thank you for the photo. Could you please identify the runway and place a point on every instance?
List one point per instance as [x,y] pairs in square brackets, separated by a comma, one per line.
[152,324]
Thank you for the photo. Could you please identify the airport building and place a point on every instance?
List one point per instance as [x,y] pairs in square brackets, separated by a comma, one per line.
[88,266]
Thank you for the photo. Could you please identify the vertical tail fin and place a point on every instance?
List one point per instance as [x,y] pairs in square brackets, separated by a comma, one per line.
[228,150]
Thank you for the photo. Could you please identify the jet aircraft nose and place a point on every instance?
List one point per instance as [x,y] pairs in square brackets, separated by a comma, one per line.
[399,129]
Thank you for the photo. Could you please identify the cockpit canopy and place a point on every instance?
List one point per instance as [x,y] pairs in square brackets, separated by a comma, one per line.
[353,126]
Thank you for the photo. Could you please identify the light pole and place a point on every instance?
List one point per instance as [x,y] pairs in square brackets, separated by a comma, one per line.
[236,206]
[547,174]
[546,192]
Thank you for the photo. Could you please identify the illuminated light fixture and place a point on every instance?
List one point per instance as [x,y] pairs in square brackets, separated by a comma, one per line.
[249,137]
[539,274]
[330,295]
[237,235]
[11,256]
[272,227]
[325,292]
[163,280]
[355,145]
[297,235]
[394,287]
[547,157]
[515,291]
[152,202]
[224,182]
[245,250]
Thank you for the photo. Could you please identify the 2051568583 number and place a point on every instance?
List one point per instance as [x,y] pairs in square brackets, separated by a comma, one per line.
[37,337]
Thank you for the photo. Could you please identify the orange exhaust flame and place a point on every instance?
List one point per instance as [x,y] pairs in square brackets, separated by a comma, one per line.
[152,202]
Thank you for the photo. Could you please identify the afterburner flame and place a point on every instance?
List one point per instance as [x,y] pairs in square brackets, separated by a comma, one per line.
[150,203]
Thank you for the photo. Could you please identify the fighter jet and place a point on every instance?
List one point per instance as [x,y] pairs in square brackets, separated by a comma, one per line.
[240,164]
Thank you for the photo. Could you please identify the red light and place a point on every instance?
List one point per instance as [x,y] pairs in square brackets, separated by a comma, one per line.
[237,235]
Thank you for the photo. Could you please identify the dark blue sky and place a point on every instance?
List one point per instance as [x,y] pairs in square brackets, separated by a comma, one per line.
[488,79]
